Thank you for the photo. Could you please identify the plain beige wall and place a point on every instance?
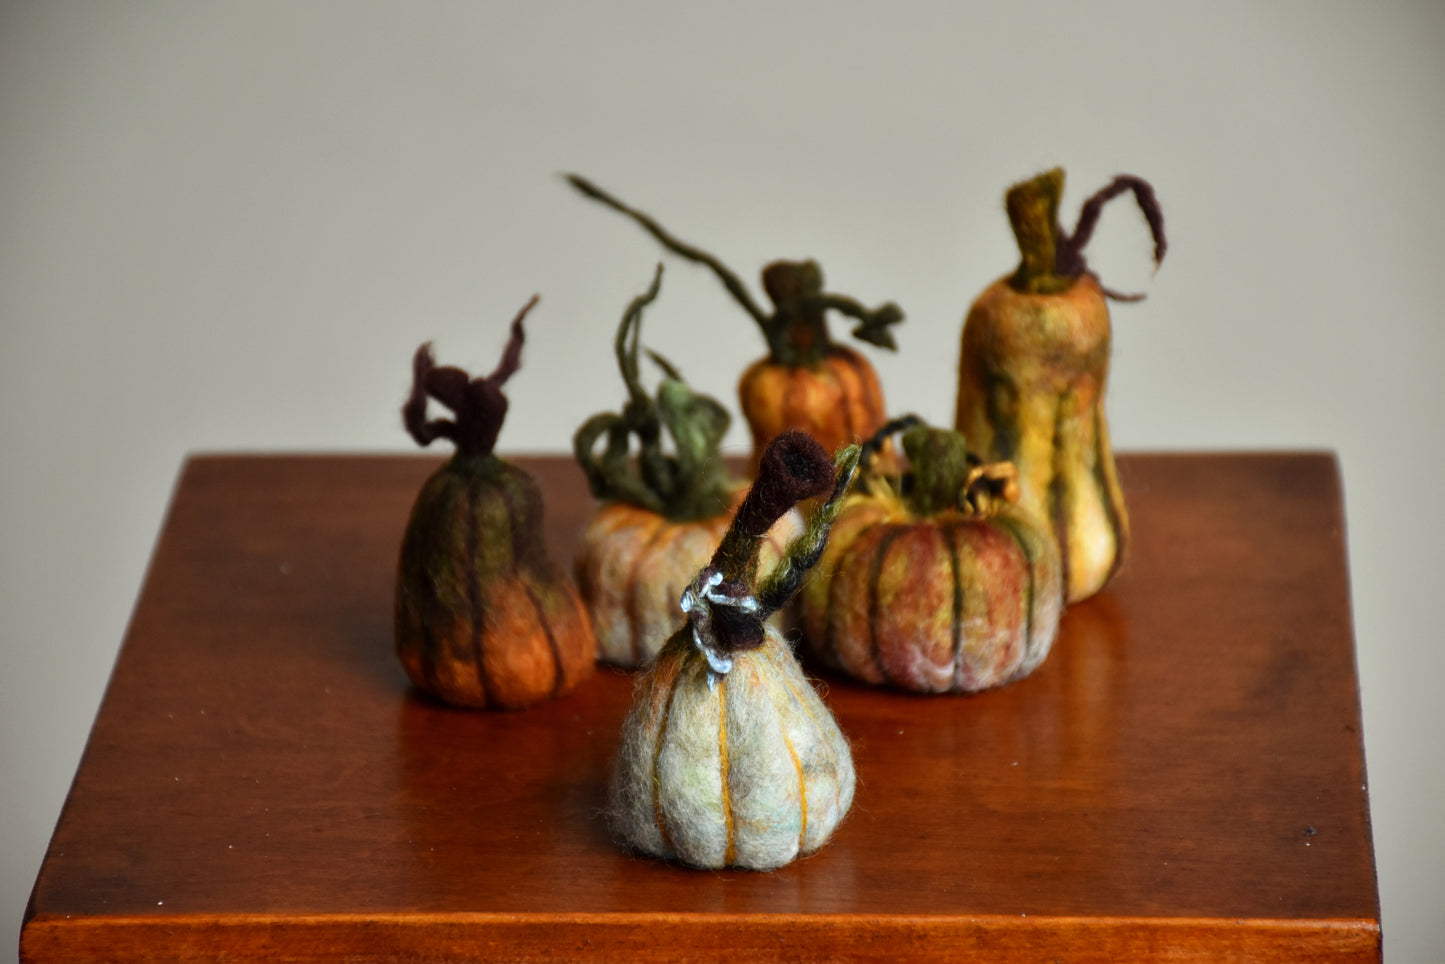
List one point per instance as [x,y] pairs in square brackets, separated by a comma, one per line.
[226,226]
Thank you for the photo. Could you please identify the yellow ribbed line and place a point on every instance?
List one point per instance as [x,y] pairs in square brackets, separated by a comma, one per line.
[822,732]
[722,744]
[802,789]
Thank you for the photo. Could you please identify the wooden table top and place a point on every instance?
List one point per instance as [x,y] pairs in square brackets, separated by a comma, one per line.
[1183,778]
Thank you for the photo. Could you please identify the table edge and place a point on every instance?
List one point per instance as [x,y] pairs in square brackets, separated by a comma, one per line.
[645,936]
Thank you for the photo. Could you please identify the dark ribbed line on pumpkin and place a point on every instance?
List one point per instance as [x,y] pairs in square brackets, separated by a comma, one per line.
[631,583]
[474,591]
[949,534]
[875,571]
[657,765]
[1011,527]
[1004,442]
[430,659]
[559,676]
[729,853]
[1058,517]
[830,632]
[1111,509]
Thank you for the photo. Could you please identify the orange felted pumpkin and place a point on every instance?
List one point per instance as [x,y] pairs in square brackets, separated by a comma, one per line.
[806,381]
[483,617]
[936,581]
[662,514]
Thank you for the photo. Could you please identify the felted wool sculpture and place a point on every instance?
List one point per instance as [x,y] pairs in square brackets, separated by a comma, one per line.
[1032,374]
[806,381]
[484,618]
[936,581]
[728,757]
[663,515]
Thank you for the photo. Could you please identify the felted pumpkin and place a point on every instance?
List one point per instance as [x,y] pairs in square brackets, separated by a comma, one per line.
[483,617]
[806,381]
[728,757]
[1032,373]
[663,515]
[936,581]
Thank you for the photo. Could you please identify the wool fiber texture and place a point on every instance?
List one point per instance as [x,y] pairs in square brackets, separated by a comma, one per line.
[1034,367]
[728,758]
[633,564]
[750,770]
[935,581]
[482,618]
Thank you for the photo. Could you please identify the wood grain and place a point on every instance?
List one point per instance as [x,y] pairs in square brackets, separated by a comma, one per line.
[1182,779]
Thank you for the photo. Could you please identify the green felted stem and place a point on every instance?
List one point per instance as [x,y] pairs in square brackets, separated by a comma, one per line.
[1033,211]
[691,483]
[940,467]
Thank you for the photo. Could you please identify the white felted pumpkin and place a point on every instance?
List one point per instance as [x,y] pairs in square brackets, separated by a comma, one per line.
[728,757]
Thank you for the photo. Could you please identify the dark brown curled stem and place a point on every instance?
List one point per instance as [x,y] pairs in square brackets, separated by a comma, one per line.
[1071,250]
[805,549]
[793,467]
[727,603]
[875,443]
[478,405]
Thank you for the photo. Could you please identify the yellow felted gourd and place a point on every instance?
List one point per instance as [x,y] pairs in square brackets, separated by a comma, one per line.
[1032,373]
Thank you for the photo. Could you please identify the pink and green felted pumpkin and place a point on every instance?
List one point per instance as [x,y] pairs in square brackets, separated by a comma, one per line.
[662,514]
[728,757]
[935,581]
[1033,369]
[483,616]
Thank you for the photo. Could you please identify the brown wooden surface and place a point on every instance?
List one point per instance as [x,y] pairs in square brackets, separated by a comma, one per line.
[1183,778]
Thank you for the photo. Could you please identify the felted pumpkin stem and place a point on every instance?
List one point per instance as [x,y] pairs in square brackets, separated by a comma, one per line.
[1051,259]
[726,604]
[796,331]
[692,484]
[794,467]
[478,405]
[988,488]
[939,466]
[1033,212]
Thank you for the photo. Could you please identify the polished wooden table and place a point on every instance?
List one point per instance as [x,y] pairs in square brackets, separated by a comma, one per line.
[1183,778]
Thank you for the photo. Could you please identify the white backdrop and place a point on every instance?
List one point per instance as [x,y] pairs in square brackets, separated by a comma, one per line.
[227,226]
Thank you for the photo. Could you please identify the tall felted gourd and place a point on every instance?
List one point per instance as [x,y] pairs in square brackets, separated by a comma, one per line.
[483,617]
[1032,373]
[806,381]
[936,581]
[662,515]
[728,757]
